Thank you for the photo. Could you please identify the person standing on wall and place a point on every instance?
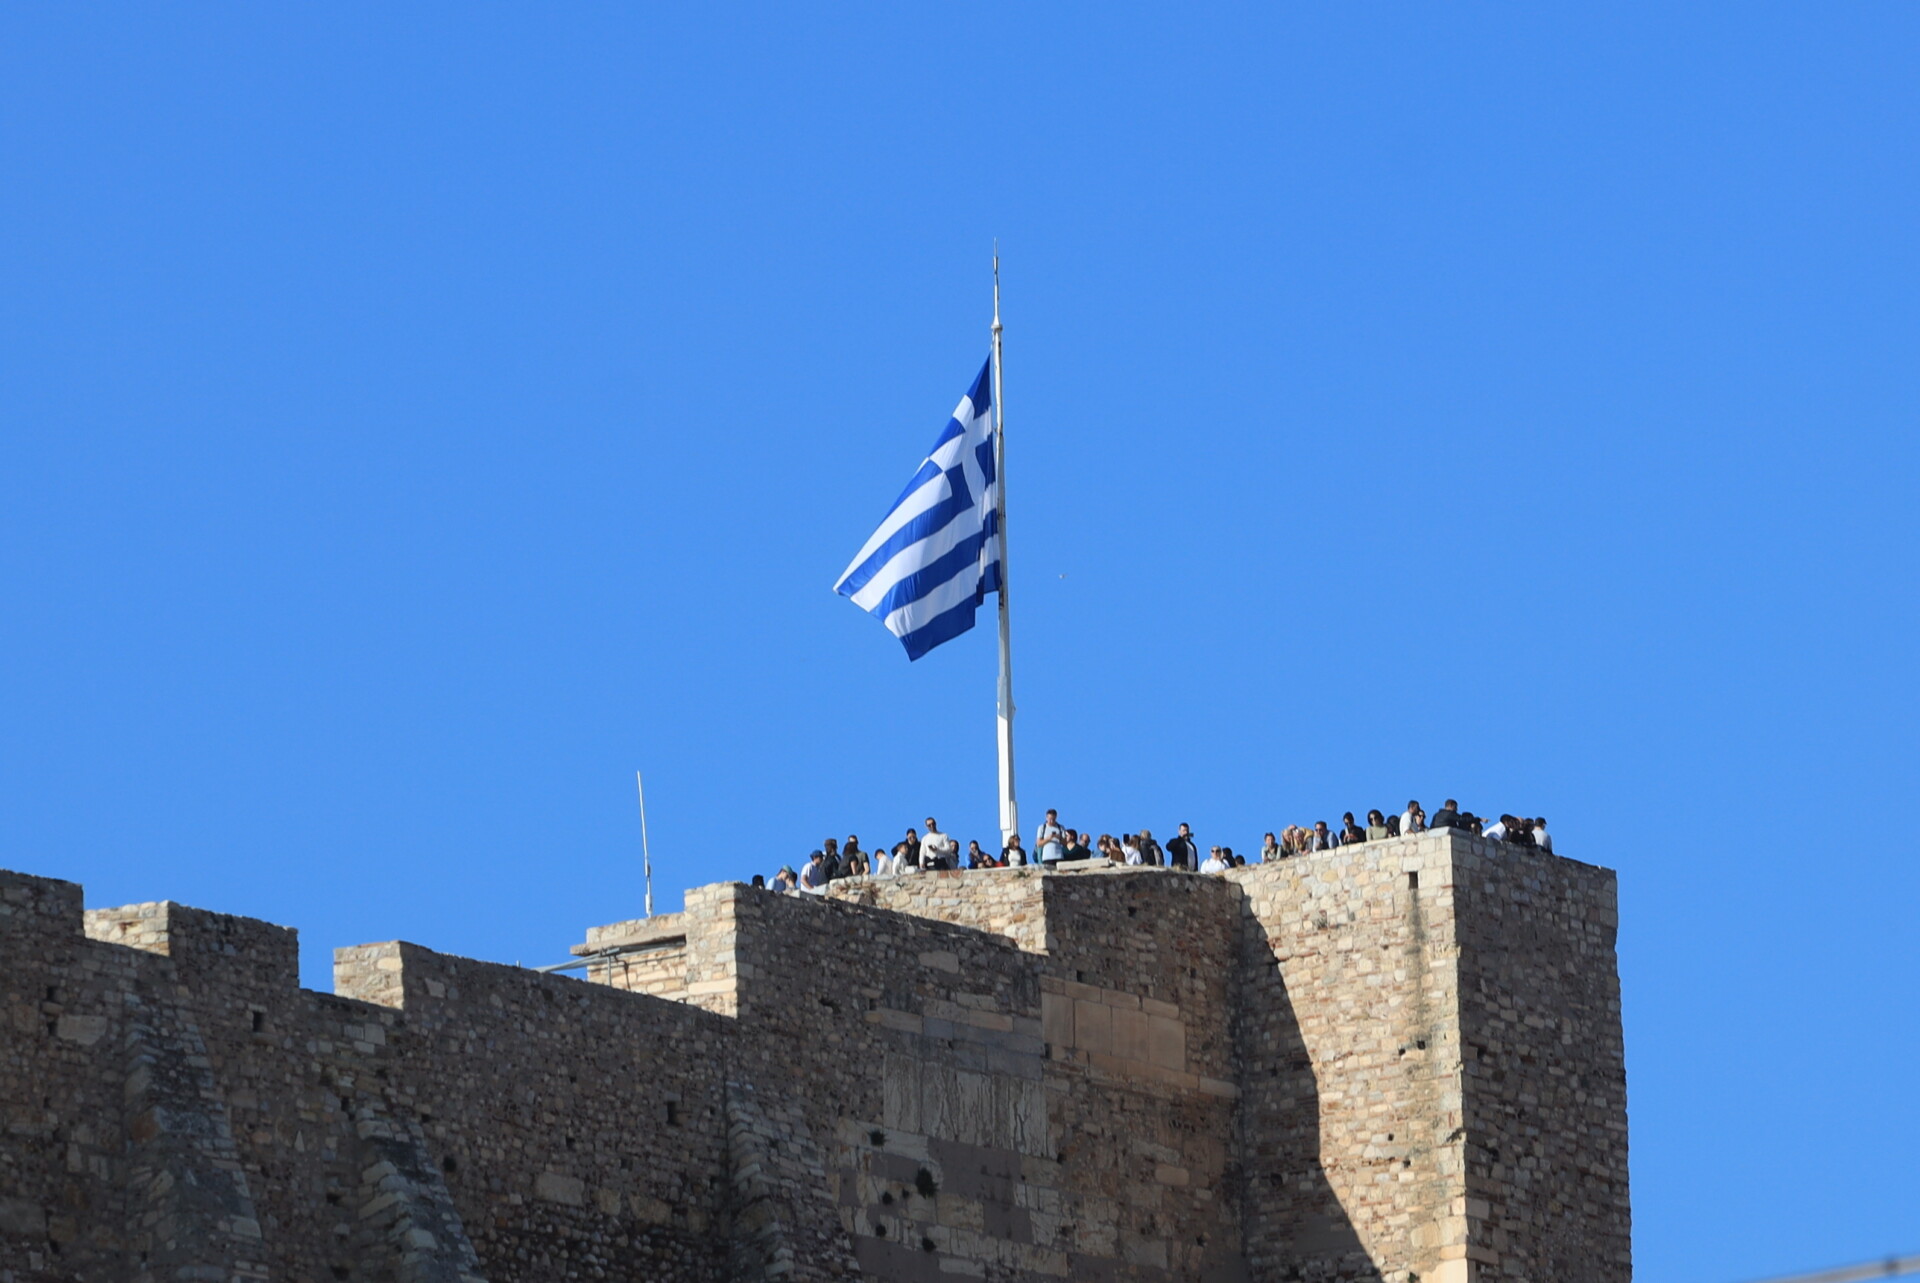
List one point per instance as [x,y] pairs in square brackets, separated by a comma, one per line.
[1049,838]
[938,850]
[1013,855]
[1183,852]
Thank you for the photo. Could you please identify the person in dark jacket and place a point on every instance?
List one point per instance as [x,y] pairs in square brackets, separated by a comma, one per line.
[1447,817]
[1182,851]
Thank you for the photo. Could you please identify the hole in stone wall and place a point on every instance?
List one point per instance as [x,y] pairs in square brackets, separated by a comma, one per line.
[926,1244]
[673,1113]
[924,1182]
[1132,910]
[886,1198]
[448,1165]
[259,1021]
[878,1137]
[879,1230]
[53,993]
[346,1106]
[333,1199]
[569,1142]
[1422,1044]
[1413,881]
[343,1271]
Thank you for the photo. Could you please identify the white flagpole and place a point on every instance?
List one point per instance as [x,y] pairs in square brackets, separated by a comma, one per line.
[646,856]
[1009,810]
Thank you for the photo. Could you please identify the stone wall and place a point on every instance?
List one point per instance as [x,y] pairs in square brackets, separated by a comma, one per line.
[1544,1067]
[1395,1061]
[645,955]
[1350,1055]
[580,1131]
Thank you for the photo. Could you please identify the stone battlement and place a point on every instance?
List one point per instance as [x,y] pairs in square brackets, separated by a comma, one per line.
[1396,1061]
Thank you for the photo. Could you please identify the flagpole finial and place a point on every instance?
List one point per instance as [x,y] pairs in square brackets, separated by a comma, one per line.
[996,285]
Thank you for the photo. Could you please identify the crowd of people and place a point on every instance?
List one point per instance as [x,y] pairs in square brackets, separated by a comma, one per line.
[1054,844]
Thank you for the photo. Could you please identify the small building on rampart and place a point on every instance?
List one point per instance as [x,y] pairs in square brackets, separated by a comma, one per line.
[1400,1061]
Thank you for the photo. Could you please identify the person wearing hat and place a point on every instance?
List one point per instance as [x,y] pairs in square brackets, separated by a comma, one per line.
[784,881]
[816,875]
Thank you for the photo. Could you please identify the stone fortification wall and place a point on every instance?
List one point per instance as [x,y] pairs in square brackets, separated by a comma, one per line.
[644,955]
[1544,1071]
[579,1131]
[1004,902]
[1351,1122]
[1394,1061]
[194,1114]
[61,1150]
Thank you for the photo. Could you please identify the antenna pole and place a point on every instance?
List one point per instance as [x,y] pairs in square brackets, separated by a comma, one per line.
[1009,809]
[646,856]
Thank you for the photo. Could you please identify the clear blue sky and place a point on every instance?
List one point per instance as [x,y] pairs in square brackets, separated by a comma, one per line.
[416,419]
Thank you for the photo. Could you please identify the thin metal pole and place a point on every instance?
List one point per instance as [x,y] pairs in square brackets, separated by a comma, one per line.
[1009,809]
[646,855]
[1891,1267]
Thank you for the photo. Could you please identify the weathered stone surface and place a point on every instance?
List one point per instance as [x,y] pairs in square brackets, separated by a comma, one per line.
[1393,1060]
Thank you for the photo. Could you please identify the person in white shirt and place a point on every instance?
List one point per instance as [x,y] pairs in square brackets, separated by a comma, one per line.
[1412,820]
[1130,850]
[1270,850]
[1497,830]
[1013,855]
[938,850]
[1213,863]
[1050,839]
[1542,838]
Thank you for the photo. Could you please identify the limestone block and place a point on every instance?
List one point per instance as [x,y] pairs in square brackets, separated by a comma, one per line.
[1166,1042]
[1092,1025]
[1056,1019]
[85,1030]
[1131,1038]
[553,1187]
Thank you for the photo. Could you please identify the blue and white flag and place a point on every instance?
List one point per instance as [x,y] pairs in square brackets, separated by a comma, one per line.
[937,554]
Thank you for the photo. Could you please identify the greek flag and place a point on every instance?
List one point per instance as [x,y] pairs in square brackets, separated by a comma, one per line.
[937,554]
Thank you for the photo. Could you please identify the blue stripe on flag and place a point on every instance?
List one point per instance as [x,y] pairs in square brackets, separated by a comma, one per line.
[927,524]
[945,626]
[951,548]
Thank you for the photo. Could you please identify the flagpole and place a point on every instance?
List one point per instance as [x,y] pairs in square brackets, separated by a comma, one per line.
[1009,810]
[646,856]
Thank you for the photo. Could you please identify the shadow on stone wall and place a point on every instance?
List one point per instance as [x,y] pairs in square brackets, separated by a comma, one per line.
[1294,1226]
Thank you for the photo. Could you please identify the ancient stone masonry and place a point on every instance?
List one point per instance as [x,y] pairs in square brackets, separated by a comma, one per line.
[1397,1061]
